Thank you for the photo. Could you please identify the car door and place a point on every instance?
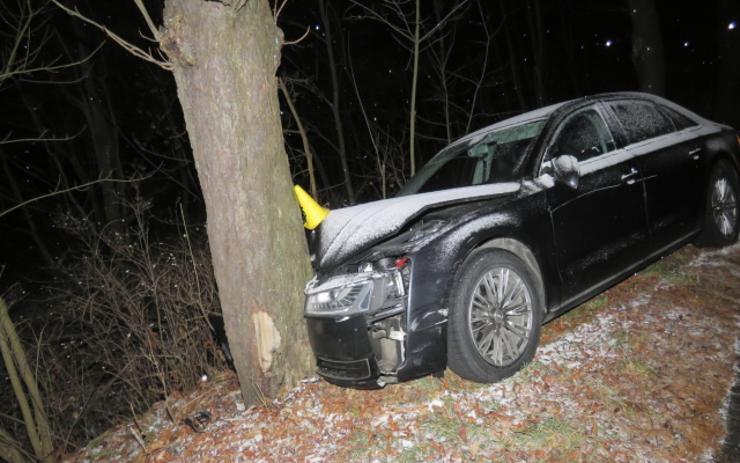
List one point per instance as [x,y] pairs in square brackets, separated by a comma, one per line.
[670,160]
[600,228]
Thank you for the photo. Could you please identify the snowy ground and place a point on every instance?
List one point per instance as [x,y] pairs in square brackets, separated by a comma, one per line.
[641,373]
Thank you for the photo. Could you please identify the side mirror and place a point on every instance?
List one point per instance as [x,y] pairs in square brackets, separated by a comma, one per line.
[566,170]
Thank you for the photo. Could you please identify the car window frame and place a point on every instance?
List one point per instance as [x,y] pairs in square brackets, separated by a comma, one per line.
[666,111]
[599,108]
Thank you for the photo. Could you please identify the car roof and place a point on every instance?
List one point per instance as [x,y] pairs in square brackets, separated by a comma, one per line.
[547,111]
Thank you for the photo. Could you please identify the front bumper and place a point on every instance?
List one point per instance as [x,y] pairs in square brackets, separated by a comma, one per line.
[344,353]
[355,352]
[369,349]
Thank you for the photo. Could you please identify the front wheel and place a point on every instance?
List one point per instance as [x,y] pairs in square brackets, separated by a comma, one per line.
[721,216]
[495,317]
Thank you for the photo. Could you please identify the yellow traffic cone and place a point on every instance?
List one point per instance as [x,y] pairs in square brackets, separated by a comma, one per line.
[314,213]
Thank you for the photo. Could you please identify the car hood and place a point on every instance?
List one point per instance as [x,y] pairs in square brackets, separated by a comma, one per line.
[349,230]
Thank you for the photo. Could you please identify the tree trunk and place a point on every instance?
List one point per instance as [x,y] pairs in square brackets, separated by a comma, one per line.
[103,131]
[566,24]
[647,46]
[225,56]
[728,75]
[534,20]
[441,57]
[414,79]
[32,228]
[513,62]
[324,11]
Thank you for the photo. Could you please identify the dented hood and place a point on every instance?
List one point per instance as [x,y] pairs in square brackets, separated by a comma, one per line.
[349,230]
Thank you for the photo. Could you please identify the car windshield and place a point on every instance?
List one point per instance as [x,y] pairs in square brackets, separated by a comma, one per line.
[497,157]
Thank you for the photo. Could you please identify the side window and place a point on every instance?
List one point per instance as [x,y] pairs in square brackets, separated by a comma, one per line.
[641,120]
[583,135]
[679,120]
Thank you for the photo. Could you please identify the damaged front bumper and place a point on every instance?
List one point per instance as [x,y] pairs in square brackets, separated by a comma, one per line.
[356,324]
[351,353]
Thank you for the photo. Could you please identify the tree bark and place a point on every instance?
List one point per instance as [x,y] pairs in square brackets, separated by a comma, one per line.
[225,56]
[647,46]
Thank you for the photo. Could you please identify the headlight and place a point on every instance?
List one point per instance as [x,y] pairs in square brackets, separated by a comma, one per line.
[368,292]
[340,295]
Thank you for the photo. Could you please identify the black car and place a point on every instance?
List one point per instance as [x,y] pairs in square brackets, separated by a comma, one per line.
[509,227]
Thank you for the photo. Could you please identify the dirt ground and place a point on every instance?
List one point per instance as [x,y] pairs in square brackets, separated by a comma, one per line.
[643,372]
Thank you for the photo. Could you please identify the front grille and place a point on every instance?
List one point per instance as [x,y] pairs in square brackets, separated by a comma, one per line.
[338,369]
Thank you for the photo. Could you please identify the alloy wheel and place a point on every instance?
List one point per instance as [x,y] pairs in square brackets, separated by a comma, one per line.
[724,206]
[500,316]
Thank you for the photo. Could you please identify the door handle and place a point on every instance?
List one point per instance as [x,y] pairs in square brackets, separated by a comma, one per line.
[628,178]
[694,153]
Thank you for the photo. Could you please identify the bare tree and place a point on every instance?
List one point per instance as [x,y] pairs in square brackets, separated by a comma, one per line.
[91,98]
[407,29]
[389,165]
[26,41]
[223,56]
[304,139]
[460,89]
[342,147]
[23,38]
[27,393]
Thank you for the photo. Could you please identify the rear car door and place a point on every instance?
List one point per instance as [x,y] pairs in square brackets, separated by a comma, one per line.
[599,228]
[667,150]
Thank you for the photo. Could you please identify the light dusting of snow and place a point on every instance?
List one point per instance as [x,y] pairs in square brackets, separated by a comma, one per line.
[350,229]
[436,403]
[456,238]
[531,396]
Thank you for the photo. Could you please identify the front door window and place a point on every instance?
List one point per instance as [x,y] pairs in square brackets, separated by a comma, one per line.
[583,135]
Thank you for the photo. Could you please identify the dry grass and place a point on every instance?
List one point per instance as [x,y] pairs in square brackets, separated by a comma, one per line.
[127,326]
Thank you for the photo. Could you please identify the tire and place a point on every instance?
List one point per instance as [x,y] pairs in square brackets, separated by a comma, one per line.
[488,340]
[721,209]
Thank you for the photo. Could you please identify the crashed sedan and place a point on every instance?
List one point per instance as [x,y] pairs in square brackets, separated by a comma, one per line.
[509,227]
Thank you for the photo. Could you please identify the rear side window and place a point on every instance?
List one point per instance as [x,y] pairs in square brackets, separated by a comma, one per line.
[679,120]
[641,120]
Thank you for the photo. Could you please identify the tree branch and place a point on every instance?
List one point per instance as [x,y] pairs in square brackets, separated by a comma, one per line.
[128,46]
[442,21]
[148,19]
[80,187]
[41,138]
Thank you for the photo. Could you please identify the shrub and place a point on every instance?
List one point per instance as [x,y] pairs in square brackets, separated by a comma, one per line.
[127,325]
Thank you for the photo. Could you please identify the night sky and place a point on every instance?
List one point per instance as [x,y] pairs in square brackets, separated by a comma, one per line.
[585,49]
